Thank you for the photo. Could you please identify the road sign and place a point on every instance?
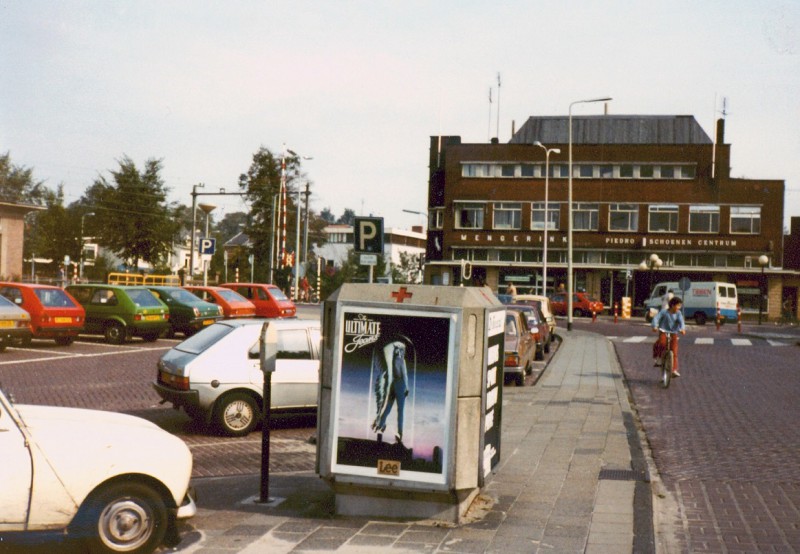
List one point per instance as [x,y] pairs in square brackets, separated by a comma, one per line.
[207,245]
[368,233]
[684,284]
[369,259]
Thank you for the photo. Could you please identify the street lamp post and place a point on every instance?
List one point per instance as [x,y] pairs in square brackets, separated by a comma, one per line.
[763,260]
[80,266]
[207,208]
[652,263]
[570,289]
[547,152]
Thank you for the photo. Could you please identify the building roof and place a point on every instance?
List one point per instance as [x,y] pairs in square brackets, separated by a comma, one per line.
[612,129]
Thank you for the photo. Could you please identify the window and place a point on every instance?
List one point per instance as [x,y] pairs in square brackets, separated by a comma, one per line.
[538,216]
[606,171]
[436,219]
[688,172]
[585,216]
[626,171]
[646,171]
[746,219]
[508,170]
[584,170]
[623,217]
[293,345]
[529,170]
[704,219]
[667,171]
[469,215]
[507,215]
[559,170]
[663,218]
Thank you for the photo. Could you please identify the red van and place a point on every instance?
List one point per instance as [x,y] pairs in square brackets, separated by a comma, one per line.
[268,299]
[54,313]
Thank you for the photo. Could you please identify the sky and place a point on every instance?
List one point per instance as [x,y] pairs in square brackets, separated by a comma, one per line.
[361,87]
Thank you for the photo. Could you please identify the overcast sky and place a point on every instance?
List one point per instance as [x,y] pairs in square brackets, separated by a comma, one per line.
[361,86]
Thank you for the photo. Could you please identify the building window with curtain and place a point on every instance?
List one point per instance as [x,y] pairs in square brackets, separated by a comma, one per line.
[704,219]
[468,215]
[663,218]
[507,215]
[585,216]
[538,216]
[623,217]
[746,219]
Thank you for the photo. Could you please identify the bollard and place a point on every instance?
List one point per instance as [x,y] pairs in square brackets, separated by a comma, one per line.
[738,318]
[616,306]
[718,317]
[594,316]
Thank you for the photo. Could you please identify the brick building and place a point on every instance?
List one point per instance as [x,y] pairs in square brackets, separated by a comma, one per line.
[641,185]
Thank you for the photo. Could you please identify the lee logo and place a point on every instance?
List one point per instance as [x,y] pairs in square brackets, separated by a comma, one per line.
[389,467]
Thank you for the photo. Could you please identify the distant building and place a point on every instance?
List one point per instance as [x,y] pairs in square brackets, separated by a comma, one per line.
[642,185]
[12,232]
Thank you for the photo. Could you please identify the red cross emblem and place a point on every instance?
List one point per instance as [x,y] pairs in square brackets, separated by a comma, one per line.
[401,295]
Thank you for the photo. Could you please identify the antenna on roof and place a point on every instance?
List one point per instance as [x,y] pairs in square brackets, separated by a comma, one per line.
[724,111]
[489,130]
[498,107]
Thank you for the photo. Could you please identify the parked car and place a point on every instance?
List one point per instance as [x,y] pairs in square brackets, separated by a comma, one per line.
[544,304]
[215,375]
[232,303]
[538,327]
[15,323]
[269,300]
[187,313]
[519,347]
[54,313]
[119,312]
[582,304]
[114,482]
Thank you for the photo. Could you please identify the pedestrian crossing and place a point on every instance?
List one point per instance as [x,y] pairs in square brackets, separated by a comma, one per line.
[701,341]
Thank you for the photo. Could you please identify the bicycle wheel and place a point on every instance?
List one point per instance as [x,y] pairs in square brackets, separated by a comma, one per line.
[666,368]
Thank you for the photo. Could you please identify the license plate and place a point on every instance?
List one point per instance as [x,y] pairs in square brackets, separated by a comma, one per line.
[6,323]
[208,321]
[63,320]
[152,318]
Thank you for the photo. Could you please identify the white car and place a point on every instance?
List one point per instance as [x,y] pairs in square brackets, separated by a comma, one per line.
[215,375]
[113,481]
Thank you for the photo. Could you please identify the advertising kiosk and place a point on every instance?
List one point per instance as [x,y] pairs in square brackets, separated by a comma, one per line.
[410,398]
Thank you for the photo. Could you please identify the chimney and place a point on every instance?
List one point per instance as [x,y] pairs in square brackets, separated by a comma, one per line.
[720,131]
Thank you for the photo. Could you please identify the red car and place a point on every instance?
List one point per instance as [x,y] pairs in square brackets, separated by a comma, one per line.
[55,314]
[582,304]
[233,304]
[537,324]
[268,299]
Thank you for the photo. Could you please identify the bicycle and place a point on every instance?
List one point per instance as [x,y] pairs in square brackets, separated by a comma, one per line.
[667,360]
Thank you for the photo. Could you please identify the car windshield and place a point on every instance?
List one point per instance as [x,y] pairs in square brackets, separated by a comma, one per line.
[204,339]
[54,298]
[183,296]
[231,296]
[277,294]
[143,298]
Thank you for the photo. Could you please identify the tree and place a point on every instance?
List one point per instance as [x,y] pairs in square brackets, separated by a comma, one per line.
[348,217]
[18,185]
[327,215]
[132,215]
[262,184]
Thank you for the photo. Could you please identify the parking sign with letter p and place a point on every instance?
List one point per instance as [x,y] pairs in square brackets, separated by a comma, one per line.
[368,233]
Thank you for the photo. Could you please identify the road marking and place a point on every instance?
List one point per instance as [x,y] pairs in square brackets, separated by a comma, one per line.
[777,343]
[741,342]
[50,358]
[635,339]
[704,341]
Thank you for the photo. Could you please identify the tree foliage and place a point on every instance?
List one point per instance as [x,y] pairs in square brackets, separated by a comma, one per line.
[132,215]
[18,185]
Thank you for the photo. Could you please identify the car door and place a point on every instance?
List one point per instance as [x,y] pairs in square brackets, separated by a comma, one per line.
[296,377]
[15,472]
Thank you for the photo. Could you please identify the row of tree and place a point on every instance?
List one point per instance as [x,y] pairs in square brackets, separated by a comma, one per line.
[128,213]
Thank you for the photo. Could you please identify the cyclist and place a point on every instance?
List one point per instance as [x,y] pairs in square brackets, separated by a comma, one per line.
[669,320]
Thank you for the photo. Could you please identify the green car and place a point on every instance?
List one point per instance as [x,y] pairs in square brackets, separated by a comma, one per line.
[119,312]
[187,313]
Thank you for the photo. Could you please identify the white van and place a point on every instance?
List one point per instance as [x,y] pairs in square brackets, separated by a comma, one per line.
[215,375]
[700,302]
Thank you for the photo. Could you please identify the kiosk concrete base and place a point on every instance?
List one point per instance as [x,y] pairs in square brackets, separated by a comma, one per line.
[445,507]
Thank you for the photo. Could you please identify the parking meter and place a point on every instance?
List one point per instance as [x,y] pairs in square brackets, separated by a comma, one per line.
[267,348]
[267,353]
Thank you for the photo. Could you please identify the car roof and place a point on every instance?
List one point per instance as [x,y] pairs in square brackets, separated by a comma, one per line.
[288,323]
[28,285]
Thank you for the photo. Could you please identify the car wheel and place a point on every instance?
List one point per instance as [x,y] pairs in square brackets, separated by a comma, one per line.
[539,354]
[122,517]
[64,341]
[577,312]
[115,333]
[151,337]
[700,318]
[547,346]
[519,379]
[3,344]
[237,414]
[169,333]
[25,341]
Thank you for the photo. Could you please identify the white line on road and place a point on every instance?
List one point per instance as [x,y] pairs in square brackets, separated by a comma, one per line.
[635,339]
[741,342]
[704,341]
[126,351]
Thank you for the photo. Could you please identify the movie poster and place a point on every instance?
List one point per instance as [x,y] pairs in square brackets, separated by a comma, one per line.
[394,389]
